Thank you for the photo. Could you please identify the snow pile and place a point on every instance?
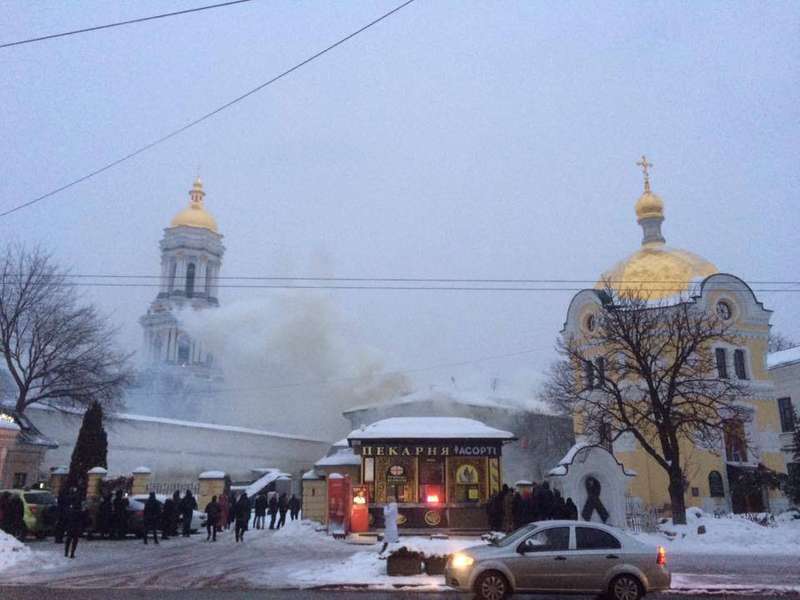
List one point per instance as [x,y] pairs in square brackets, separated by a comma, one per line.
[12,551]
[429,428]
[437,546]
[729,534]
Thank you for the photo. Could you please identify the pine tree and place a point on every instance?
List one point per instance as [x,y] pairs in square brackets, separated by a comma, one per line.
[91,449]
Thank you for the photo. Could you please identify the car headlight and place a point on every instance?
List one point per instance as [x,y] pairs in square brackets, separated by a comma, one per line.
[461,561]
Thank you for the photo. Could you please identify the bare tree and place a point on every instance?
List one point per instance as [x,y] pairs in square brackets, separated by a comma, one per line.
[778,341]
[57,350]
[649,370]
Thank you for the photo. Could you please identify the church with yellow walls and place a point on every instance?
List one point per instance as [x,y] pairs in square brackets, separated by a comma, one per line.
[663,273]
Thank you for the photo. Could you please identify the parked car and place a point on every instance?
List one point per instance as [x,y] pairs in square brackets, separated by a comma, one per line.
[560,557]
[136,519]
[40,510]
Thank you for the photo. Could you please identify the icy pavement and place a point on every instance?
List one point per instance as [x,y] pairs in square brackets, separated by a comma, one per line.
[300,557]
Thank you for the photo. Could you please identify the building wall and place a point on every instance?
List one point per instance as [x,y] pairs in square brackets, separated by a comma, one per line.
[180,452]
[786,379]
[315,500]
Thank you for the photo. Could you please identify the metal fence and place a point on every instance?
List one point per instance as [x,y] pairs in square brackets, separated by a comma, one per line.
[639,517]
[169,487]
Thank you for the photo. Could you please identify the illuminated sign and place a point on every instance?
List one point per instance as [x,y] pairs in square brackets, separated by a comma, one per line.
[475,450]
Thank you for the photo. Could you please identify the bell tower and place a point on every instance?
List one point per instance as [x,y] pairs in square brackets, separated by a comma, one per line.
[191,258]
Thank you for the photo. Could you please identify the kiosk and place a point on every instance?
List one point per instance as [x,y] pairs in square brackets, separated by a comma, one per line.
[442,471]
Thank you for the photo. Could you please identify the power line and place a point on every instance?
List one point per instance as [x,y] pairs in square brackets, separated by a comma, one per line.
[206,116]
[120,23]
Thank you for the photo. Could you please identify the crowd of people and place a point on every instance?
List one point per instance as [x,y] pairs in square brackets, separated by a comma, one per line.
[12,515]
[509,510]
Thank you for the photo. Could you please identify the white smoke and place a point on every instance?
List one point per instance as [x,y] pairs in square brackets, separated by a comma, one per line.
[289,365]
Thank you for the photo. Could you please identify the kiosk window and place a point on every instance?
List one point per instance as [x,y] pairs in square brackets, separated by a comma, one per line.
[467,484]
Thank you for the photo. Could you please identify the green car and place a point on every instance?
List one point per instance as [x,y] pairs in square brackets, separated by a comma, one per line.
[40,510]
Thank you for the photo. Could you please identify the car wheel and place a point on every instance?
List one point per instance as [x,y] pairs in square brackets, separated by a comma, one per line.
[625,587]
[492,585]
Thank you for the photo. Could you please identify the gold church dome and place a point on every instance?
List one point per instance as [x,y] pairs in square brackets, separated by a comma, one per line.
[195,215]
[655,271]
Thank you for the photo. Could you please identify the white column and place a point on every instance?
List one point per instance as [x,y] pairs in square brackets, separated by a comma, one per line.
[180,274]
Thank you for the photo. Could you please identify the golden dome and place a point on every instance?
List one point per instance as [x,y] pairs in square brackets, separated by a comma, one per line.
[195,215]
[656,271]
[649,205]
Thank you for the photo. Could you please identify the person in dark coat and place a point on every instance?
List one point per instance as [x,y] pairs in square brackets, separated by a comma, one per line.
[517,510]
[188,506]
[168,517]
[231,510]
[283,506]
[120,515]
[152,517]
[62,506]
[74,525]
[16,511]
[104,516]
[294,507]
[559,506]
[4,498]
[544,502]
[273,510]
[242,511]
[176,514]
[570,510]
[260,511]
[212,519]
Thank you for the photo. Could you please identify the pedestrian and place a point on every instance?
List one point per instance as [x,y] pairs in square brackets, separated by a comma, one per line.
[119,515]
[16,511]
[283,506]
[224,509]
[104,516]
[167,517]
[176,514]
[272,509]
[260,511]
[390,533]
[3,510]
[508,509]
[294,507]
[544,501]
[152,517]
[74,524]
[559,506]
[231,510]
[517,509]
[188,506]
[242,510]
[570,510]
[212,519]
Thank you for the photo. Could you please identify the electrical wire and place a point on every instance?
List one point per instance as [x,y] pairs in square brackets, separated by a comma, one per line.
[120,23]
[204,117]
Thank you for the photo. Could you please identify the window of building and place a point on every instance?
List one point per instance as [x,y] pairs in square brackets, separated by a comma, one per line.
[724,311]
[589,374]
[369,469]
[20,479]
[786,411]
[600,366]
[604,435]
[190,279]
[172,268]
[738,364]
[590,323]
[695,492]
[722,362]
[467,484]
[588,538]
[715,487]
[431,481]
[735,441]
[183,351]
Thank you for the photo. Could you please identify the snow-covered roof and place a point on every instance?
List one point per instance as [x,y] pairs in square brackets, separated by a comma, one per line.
[9,425]
[429,428]
[345,456]
[470,398]
[564,464]
[212,475]
[142,471]
[335,476]
[311,474]
[783,357]
[62,470]
[97,471]
[522,482]
[570,455]
[341,443]
[263,481]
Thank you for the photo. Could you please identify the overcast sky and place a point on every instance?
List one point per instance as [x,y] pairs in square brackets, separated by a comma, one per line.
[455,139]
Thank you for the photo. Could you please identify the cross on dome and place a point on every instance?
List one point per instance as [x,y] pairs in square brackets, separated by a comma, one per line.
[645,166]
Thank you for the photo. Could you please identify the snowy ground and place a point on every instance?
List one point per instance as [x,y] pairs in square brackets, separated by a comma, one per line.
[300,557]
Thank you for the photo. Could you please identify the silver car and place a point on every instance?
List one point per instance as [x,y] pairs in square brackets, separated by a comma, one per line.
[563,557]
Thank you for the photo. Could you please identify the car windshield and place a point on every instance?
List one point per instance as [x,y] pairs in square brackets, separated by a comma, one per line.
[39,498]
[514,536]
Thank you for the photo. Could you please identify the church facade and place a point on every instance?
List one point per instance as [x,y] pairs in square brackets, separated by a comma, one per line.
[747,447]
[191,259]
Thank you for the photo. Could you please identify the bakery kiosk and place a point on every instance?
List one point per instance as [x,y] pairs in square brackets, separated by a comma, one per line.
[442,471]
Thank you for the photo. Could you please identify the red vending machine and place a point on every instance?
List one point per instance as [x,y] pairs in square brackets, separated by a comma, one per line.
[359,515]
[340,500]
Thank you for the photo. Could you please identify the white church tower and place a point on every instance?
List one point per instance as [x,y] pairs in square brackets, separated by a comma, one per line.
[191,257]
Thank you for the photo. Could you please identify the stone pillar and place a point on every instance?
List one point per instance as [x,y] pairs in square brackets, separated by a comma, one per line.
[141,480]
[57,478]
[212,483]
[94,478]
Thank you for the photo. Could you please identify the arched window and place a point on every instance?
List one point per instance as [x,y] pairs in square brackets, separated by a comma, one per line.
[715,487]
[190,279]
[183,351]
